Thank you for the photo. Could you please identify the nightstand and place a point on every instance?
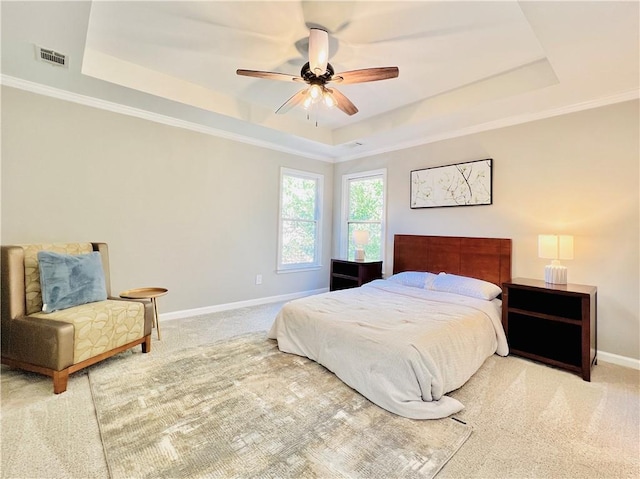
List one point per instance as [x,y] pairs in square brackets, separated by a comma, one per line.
[552,323]
[351,274]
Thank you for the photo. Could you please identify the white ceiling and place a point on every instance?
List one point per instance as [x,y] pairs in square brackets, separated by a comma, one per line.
[464,66]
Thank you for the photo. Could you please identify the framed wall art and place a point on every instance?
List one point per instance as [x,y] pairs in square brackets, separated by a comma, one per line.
[461,184]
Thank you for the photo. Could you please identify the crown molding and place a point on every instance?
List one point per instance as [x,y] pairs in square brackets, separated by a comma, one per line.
[41,89]
[85,100]
[504,122]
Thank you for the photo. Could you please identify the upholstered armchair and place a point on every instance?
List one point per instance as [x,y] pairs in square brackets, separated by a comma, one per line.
[71,337]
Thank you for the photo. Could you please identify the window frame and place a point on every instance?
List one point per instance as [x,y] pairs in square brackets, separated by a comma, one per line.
[344,220]
[319,205]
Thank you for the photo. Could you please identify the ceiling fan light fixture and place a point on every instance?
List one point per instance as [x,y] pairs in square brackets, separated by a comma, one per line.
[315,91]
[328,99]
[317,73]
[308,101]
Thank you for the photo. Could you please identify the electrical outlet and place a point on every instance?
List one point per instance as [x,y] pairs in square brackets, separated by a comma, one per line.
[258,279]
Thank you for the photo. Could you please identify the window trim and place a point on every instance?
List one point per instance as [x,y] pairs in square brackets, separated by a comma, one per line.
[317,264]
[344,216]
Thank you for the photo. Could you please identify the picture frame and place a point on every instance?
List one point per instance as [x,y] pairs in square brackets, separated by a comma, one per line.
[460,184]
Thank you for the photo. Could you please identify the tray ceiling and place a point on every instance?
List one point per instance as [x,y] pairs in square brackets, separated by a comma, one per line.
[464,66]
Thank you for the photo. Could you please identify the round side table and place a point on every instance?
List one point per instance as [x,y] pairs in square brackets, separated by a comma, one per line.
[147,293]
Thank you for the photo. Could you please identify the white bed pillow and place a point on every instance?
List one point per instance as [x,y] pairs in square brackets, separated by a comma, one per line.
[415,279]
[476,288]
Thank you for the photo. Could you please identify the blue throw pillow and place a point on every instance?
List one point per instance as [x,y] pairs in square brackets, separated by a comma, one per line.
[69,280]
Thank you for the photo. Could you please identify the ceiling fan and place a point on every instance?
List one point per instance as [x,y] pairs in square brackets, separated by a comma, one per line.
[318,72]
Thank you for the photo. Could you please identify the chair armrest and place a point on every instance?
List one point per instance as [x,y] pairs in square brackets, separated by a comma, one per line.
[12,304]
[148,311]
[44,342]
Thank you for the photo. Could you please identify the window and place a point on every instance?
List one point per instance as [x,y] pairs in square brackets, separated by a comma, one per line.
[299,232]
[363,203]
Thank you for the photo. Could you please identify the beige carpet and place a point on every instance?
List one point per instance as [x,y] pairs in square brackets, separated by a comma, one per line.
[529,420]
[241,408]
[534,421]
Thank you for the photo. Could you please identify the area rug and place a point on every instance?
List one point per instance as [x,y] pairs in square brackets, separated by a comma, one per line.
[242,408]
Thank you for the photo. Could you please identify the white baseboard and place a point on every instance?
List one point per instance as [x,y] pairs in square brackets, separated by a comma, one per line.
[187,313]
[618,360]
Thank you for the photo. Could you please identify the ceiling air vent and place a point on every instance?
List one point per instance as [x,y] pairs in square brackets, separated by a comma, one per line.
[51,56]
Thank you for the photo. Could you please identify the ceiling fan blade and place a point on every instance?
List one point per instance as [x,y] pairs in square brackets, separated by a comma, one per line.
[318,51]
[293,101]
[269,75]
[365,75]
[343,102]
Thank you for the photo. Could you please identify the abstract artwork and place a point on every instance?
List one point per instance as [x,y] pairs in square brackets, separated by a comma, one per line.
[462,184]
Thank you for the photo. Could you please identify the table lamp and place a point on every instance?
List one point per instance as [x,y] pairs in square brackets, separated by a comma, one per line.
[360,238]
[555,248]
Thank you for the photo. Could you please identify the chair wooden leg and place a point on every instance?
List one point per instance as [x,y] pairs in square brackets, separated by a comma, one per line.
[146,346]
[60,380]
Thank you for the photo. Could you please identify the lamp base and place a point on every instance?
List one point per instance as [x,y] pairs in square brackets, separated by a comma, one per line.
[359,255]
[555,274]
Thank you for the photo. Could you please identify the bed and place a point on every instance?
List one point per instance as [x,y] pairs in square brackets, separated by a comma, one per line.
[406,341]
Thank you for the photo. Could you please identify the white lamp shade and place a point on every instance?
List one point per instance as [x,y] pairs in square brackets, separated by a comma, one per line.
[555,247]
[361,237]
[548,246]
[565,247]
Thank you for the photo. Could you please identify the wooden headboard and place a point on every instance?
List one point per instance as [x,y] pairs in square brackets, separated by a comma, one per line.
[483,258]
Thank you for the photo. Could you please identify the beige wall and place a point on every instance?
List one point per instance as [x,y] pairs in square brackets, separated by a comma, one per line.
[198,214]
[576,174]
[179,209]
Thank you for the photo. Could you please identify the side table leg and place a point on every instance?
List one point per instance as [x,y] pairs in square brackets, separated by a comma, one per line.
[155,316]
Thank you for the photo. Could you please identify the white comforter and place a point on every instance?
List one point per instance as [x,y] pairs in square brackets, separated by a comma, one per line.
[403,348]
